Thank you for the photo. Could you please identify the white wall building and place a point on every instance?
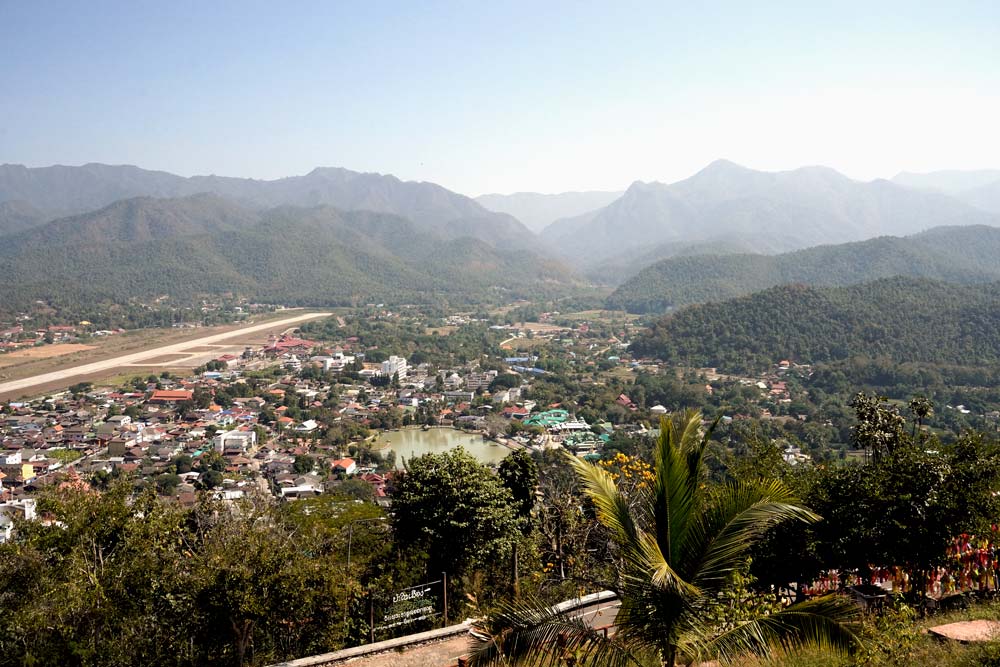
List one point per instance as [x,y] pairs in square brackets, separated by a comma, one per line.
[475,381]
[395,365]
[24,509]
[242,440]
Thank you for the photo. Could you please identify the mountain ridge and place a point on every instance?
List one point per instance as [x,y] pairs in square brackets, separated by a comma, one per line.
[969,254]
[63,190]
[771,211]
[903,320]
[205,244]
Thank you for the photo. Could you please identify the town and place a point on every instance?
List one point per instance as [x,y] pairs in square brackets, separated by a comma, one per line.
[303,414]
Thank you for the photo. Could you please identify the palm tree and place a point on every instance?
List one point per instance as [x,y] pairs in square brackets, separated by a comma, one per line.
[680,545]
[922,408]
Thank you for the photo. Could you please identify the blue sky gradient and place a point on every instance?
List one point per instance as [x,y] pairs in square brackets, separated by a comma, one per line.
[497,97]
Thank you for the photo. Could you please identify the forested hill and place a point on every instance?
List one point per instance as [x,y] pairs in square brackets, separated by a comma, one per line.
[16,216]
[901,319]
[62,190]
[955,254]
[204,245]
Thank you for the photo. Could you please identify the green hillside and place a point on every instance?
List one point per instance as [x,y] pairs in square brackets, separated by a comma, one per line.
[954,254]
[900,319]
[205,245]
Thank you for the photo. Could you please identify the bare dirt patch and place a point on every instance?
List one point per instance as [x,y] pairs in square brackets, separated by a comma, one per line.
[43,352]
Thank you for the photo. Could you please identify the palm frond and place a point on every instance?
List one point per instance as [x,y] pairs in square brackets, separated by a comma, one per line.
[675,488]
[641,550]
[612,507]
[529,634]
[654,568]
[737,518]
[831,622]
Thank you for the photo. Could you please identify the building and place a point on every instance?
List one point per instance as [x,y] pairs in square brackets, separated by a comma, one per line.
[171,396]
[17,472]
[395,366]
[334,363]
[235,441]
[345,466]
[474,381]
[23,509]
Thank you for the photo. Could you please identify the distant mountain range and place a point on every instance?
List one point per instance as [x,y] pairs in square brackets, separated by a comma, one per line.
[537,210]
[205,244]
[60,190]
[978,188]
[769,212]
[335,235]
[900,320]
[955,254]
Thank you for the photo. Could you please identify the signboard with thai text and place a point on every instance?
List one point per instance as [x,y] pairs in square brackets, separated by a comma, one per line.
[408,606]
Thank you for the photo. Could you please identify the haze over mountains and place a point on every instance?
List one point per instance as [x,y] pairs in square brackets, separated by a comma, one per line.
[767,211]
[336,236]
[61,190]
[17,215]
[538,210]
[978,188]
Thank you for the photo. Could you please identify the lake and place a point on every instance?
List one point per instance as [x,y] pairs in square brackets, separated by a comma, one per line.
[411,442]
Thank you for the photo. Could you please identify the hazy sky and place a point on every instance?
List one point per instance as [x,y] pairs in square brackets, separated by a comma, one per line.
[501,96]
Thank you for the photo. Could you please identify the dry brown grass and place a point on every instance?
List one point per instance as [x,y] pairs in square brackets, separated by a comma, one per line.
[43,352]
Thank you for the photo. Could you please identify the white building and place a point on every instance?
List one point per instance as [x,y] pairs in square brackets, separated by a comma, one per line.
[475,381]
[24,509]
[234,440]
[11,458]
[395,365]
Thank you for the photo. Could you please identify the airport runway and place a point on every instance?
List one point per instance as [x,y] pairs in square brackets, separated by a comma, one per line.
[132,359]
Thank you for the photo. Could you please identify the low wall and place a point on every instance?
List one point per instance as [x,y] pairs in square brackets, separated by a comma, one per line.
[440,634]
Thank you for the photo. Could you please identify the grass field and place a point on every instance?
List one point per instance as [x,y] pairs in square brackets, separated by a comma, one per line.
[604,316]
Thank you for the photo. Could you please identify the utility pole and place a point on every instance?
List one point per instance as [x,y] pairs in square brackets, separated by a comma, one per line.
[444,587]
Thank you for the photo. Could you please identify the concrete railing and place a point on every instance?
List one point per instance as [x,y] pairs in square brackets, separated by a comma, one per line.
[430,636]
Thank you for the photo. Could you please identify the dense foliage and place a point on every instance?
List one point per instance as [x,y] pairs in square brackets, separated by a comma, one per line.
[902,508]
[955,254]
[297,256]
[456,510]
[679,546]
[902,319]
[111,579]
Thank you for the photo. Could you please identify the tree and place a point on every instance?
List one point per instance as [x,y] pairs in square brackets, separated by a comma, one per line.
[921,408]
[303,464]
[880,426]
[358,489]
[456,509]
[905,508]
[182,464]
[167,483]
[519,474]
[680,547]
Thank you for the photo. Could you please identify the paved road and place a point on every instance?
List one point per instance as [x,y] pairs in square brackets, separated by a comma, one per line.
[124,360]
